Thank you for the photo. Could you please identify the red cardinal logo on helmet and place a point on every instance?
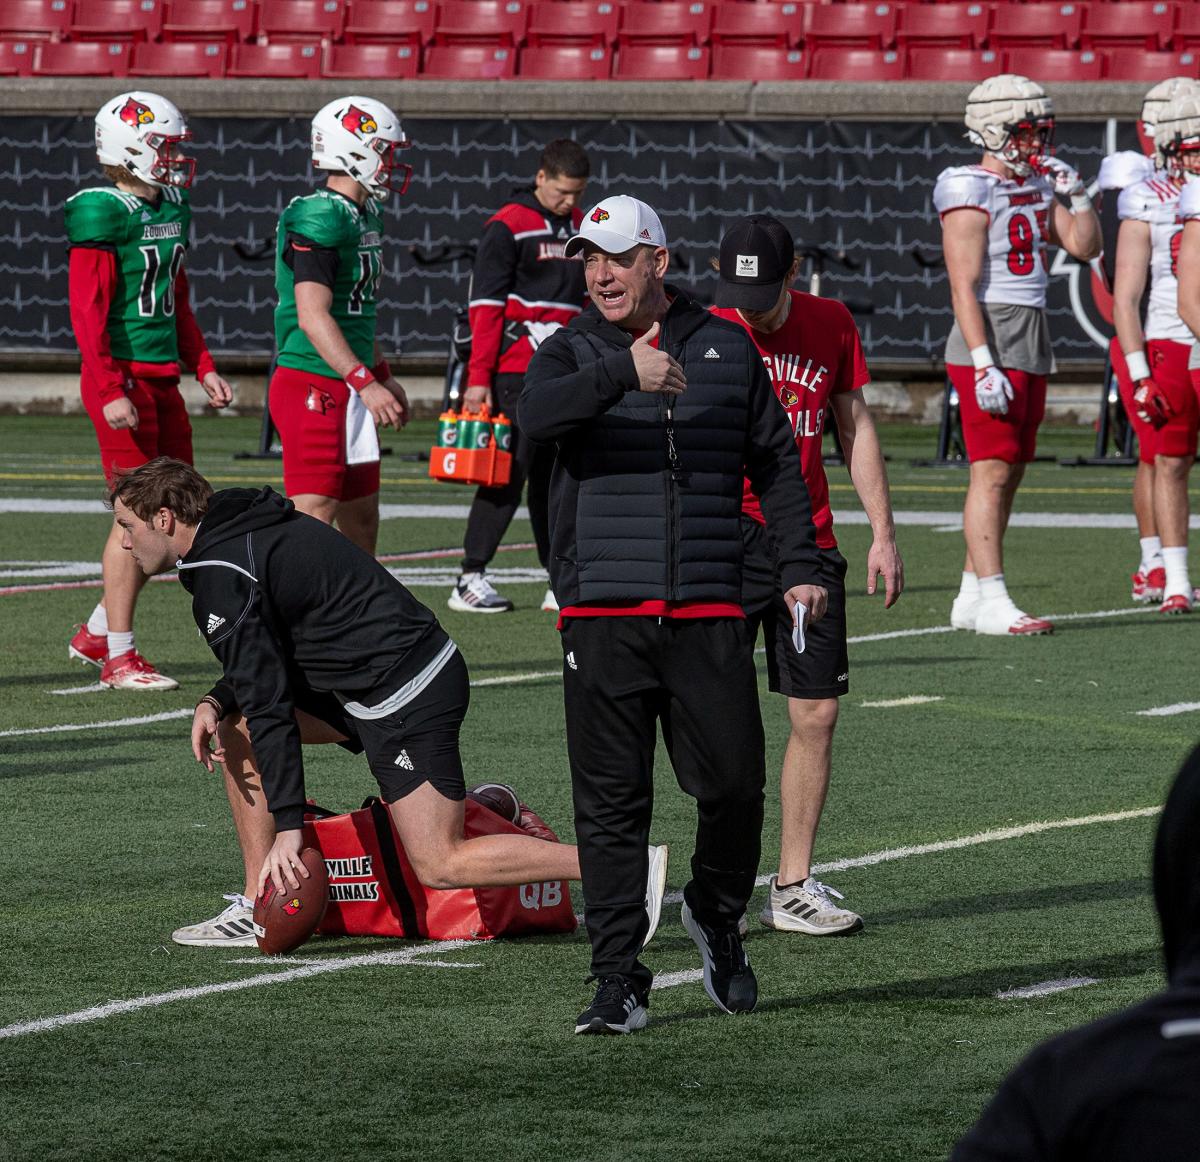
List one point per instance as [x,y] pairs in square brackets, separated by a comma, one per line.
[293,906]
[358,122]
[136,114]
[599,215]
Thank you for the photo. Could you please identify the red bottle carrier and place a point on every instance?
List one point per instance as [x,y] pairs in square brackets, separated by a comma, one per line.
[472,448]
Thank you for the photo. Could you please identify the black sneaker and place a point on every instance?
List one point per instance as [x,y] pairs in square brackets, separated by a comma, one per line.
[618,1008]
[728,977]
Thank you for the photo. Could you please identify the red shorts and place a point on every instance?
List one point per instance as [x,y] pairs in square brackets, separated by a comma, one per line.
[1169,366]
[163,425]
[309,412]
[1011,437]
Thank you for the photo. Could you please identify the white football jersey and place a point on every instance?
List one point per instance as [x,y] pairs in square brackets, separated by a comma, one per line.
[1127,167]
[1018,228]
[1155,202]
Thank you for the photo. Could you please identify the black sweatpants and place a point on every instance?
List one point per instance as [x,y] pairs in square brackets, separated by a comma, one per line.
[622,676]
[493,508]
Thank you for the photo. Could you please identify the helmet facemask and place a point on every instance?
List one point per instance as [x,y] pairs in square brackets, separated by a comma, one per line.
[391,176]
[1025,143]
[171,167]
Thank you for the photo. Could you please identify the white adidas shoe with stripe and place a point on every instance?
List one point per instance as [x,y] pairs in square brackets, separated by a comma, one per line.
[232,928]
[808,907]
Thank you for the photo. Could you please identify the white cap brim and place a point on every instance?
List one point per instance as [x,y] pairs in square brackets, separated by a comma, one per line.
[607,240]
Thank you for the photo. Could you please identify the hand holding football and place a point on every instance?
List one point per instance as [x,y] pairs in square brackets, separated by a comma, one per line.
[285,920]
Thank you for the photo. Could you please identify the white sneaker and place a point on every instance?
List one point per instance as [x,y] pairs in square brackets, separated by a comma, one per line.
[1000,617]
[549,602]
[807,908]
[963,611]
[474,593]
[656,886]
[232,928]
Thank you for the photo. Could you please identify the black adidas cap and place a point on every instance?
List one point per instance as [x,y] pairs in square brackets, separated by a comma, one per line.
[756,257]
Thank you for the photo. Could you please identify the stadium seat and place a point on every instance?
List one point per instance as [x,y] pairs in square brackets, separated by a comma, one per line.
[671,22]
[280,61]
[390,21]
[580,21]
[1036,26]
[35,19]
[661,62]
[963,65]
[290,21]
[855,64]
[866,26]
[735,61]
[132,20]
[1187,30]
[563,61]
[1047,65]
[1149,26]
[376,62]
[81,58]
[494,23]
[1150,67]
[181,58]
[770,24]
[235,21]
[948,25]
[463,61]
[16,57]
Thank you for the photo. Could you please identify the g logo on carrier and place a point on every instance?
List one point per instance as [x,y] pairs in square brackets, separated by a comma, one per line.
[538,896]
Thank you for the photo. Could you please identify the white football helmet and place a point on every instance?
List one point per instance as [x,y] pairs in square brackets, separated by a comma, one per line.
[1153,104]
[359,136]
[1177,135]
[1011,117]
[142,132]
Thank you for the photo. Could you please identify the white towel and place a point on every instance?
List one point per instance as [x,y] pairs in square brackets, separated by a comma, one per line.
[799,617]
[362,441]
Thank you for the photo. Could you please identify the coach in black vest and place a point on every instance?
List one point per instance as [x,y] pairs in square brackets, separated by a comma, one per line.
[657,411]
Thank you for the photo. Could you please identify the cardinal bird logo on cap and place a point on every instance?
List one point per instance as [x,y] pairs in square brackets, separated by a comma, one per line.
[293,906]
[358,122]
[136,114]
[599,215]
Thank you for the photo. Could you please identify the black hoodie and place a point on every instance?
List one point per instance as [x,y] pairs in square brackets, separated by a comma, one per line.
[1125,1088]
[289,605]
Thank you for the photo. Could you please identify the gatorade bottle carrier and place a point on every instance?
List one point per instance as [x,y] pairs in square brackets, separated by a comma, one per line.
[472,448]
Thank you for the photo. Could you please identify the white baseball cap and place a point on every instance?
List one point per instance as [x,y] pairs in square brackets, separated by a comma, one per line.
[618,224]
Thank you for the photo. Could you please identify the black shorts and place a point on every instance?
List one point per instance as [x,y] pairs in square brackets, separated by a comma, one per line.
[823,670]
[418,744]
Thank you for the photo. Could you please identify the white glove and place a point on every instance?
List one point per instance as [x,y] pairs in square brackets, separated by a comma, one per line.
[992,390]
[1067,183]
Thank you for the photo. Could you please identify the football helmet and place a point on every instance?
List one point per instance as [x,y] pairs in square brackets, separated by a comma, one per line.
[1177,135]
[1011,117]
[1152,106]
[359,136]
[142,133]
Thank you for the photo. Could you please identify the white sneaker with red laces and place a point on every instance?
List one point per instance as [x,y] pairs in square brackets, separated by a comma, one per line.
[88,647]
[1149,586]
[1000,617]
[132,672]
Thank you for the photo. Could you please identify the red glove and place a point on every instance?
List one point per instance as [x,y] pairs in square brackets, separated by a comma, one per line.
[1151,403]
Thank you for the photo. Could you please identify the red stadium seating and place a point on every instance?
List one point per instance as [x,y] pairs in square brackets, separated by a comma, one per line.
[376,62]
[855,64]
[117,20]
[463,61]
[734,61]
[291,21]
[933,63]
[35,19]
[851,26]
[580,21]
[16,57]
[301,61]
[661,62]
[1135,26]
[389,21]
[487,22]
[1047,65]
[561,61]
[183,58]
[232,20]
[1187,31]
[1151,67]
[1035,26]
[949,25]
[671,22]
[81,58]
[771,24]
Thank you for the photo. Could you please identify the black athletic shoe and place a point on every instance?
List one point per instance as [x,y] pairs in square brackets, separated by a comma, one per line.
[728,977]
[618,1008]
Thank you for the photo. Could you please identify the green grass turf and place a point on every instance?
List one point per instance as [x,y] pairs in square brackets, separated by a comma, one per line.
[881,1046]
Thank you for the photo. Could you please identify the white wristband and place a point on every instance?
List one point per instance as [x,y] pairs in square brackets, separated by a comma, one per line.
[1135,362]
[1080,203]
[981,356]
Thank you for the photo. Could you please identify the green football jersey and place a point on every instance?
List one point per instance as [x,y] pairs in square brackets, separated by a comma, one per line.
[149,242]
[332,222]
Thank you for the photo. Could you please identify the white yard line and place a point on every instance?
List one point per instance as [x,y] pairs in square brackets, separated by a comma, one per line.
[668,980]
[1046,988]
[66,691]
[911,700]
[1166,711]
[142,721]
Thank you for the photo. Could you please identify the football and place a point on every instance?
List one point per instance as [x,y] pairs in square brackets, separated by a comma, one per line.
[284,921]
[498,798]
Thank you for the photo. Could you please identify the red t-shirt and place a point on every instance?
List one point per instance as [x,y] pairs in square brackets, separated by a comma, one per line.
[815,354]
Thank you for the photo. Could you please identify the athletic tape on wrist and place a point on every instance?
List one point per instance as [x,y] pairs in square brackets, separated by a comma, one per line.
[1080,203]
[981,356]
[1135,362]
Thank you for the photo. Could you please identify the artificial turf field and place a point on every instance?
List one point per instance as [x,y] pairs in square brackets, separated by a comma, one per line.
[879,1046]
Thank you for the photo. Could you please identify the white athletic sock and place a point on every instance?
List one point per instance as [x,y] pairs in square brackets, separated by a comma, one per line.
[969,586]
[98,623]
[992,587]
[1176,563]
[119,643]
[1151,553]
